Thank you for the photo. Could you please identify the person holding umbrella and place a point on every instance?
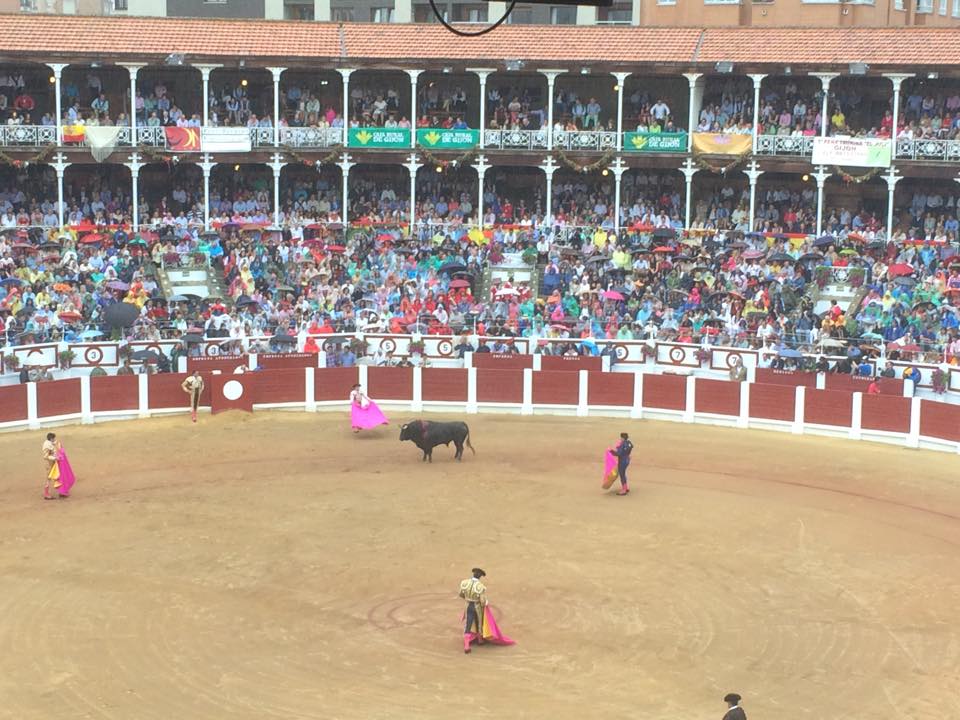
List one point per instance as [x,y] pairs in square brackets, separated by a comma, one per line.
[193,386]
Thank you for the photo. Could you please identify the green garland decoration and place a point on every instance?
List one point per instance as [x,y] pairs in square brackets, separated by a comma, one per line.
[857,179]
[719,169]
[40,157]
[330,157]
[572,164]
[461,159]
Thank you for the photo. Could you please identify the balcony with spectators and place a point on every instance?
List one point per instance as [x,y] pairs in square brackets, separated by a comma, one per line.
[860,107]
[790,115]
[27,110]
[655,114]
[380,114]
[585,112]
[516,112]
[929,120]
[95,96]
[448,110]
[311,109]
[167,96]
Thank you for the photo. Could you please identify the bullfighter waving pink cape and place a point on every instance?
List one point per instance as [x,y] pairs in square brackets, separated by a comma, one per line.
[364,413]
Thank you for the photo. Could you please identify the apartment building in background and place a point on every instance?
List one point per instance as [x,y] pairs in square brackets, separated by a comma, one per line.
[653,13]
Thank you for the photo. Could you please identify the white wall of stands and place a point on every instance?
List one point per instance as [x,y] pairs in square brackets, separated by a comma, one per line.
[416,404]
[439,350]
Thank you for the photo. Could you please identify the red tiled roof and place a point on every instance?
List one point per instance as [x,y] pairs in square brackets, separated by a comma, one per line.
[831,46]
[40,37]
[613,45]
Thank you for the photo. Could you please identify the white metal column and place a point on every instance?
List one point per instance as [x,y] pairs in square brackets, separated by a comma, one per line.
[412,166]
[345,111]
[414,74]
[135,166]
[207,167]
[276,72]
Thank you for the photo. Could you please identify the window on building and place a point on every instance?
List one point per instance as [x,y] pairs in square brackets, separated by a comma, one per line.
[28,5]
[341,14]
[469,13]
[381,14]
[898,5]
[616,13]
[956,8]
[214,2]
[521,15]
[298,12]
[119,5]
[423,13]
[924,6]
[943,7]
[563,15]
[721,2]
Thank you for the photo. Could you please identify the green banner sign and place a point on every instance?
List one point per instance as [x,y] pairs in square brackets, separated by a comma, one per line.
[448,139]
[655,142]
[376,137]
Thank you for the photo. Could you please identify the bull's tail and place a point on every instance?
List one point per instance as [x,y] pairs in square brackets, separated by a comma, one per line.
[467,439]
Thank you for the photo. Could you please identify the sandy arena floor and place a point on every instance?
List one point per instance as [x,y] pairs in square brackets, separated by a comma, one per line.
[276,566]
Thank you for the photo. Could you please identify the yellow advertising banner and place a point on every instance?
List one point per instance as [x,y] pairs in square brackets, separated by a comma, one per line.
[721,144]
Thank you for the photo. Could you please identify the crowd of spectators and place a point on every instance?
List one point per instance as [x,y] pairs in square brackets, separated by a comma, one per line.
[376,107]
[727,107]
[787,111]
[646,111]
[930,112]
[516,108]
[786,209]
[728,288]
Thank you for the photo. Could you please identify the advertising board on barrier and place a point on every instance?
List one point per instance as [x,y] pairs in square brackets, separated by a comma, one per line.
[448,139]
[269,361]
[375,137]
[645,142]
[851,152]
[226,139]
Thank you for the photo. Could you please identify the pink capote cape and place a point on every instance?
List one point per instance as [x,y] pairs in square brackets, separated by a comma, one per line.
[366,417]
[609,470]
[491,631]
[67,478]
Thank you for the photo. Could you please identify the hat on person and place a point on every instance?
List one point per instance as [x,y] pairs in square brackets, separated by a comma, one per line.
[731,698]
[478,573]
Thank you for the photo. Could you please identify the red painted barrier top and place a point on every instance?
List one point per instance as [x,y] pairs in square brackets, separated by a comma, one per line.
[270,361]
[786,377]
[572,362]
[502,361]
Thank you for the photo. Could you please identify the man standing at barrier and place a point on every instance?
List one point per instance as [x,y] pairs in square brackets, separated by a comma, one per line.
[622,452]
[193,386]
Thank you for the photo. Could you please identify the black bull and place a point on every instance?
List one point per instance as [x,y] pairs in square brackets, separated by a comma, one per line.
[427,435]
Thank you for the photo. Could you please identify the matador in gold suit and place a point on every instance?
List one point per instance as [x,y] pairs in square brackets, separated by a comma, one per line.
[475,593]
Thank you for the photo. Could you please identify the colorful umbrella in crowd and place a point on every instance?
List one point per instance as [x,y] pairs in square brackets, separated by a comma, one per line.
[612,295]
[899,269]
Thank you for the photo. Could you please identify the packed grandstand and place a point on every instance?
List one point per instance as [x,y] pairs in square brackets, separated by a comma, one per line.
[639,205]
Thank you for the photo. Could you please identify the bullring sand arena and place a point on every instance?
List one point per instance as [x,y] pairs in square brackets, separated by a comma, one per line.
[276,566]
